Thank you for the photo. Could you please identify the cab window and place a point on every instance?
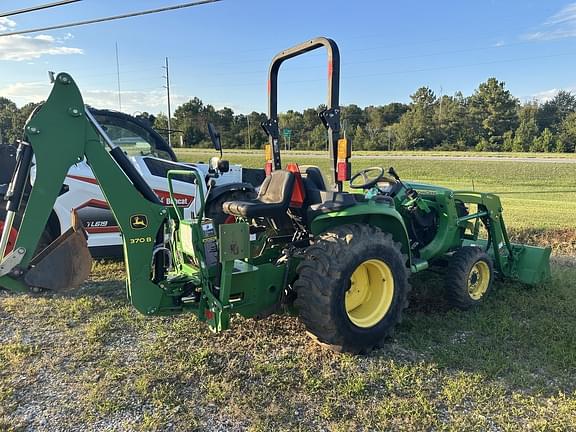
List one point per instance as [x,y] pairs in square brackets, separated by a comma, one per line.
[131,137]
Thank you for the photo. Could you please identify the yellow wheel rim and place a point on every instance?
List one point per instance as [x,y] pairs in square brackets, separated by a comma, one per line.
[478,280]
[370,294]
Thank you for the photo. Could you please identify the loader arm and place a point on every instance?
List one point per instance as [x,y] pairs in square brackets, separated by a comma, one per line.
[61,133]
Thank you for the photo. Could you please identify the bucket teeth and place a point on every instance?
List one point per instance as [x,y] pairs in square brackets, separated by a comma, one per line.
[64,265]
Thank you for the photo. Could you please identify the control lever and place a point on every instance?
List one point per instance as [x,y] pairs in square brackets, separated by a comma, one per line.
[412,194]
[413,201]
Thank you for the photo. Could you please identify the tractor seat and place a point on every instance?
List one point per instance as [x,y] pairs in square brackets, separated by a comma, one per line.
[272,201]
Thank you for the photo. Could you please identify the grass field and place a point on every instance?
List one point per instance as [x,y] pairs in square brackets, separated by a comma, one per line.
[88,361]
[539,199]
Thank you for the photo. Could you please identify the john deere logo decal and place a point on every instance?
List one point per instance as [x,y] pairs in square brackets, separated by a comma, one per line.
[138,222]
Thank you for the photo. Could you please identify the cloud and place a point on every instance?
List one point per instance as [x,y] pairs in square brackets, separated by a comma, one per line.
[546,95]
[566,15]
[6,24]
[132,100]
[20,47]
[138,101]
[559,26]
[23,93]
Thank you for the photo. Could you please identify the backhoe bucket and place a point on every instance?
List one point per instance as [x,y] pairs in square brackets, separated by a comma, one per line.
[531,264]
[63,265]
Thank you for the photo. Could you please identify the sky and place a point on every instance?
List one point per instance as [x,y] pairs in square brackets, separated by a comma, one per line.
[220,52]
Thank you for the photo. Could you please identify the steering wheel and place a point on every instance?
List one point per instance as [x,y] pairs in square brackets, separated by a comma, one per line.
[371,176]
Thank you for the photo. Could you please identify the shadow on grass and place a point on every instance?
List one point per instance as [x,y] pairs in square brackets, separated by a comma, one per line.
[521,335]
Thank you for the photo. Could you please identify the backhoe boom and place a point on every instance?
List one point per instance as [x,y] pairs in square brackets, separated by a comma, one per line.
[62,133]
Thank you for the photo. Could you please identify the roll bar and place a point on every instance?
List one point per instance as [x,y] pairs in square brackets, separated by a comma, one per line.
[330,117]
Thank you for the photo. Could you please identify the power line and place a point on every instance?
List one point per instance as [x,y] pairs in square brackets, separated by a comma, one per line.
[111,18]
[308,67]
[37,8]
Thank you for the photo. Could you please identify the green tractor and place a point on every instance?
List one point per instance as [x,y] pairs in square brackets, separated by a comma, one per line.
[341,260]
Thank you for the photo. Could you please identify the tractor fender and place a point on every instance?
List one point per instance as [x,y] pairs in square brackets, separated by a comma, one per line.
[220,190]
[381,215]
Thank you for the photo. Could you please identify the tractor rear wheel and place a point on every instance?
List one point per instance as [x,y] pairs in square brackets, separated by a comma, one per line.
[469,277]
[352,288]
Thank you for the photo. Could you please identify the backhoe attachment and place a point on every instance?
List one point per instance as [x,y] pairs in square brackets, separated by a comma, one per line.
[60,133]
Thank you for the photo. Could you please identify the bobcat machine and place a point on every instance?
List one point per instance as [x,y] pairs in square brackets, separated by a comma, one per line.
[341,260]
[153,158]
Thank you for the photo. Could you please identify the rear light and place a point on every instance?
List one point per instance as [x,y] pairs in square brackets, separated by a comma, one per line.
[268,152]
[344,148]
[268,157]
[344,167]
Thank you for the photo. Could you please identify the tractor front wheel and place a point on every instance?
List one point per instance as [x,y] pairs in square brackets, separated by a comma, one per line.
[469,277]
[352,288]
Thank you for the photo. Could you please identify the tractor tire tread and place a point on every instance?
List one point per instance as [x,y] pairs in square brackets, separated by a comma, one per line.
[456,279]
[320,278]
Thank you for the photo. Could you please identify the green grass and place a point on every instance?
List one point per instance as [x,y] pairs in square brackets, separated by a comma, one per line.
[510,365]
[535,196]
[90,359]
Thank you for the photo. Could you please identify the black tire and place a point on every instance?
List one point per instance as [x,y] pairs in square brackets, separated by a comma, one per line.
[469,277]
[324,278]
[214,208]
[45,239]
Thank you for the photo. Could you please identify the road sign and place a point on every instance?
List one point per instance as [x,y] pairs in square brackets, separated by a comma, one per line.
[287,132]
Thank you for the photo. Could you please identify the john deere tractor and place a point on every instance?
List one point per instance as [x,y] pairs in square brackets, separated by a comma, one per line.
[341,260]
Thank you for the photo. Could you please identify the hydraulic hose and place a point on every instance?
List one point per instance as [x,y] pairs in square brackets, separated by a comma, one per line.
[16,191]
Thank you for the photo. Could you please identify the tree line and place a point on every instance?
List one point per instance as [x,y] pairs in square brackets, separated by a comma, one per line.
[491,119]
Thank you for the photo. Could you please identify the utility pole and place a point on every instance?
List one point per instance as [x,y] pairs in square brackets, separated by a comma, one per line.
[167,87]
[118,78]
[389,138]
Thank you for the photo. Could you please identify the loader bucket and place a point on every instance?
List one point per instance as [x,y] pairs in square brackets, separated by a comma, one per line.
[63,265]
[531,264]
